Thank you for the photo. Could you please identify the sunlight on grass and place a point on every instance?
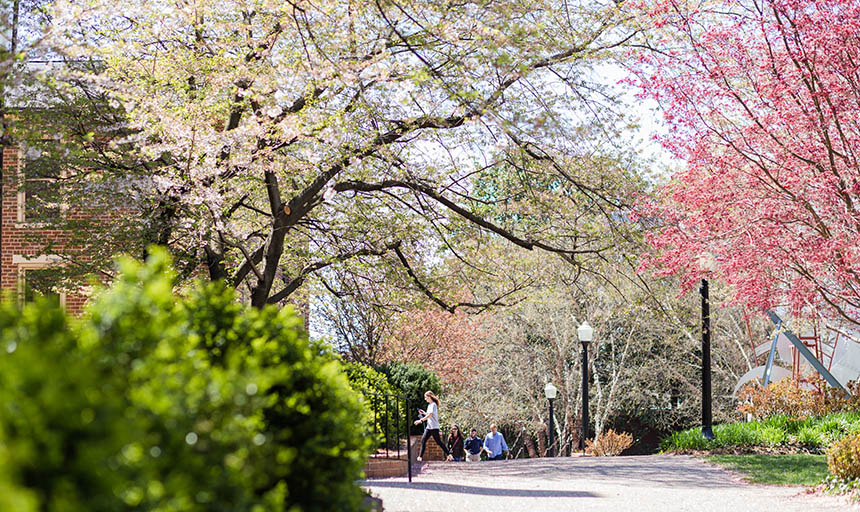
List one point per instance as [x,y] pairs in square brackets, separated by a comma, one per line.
[775,469]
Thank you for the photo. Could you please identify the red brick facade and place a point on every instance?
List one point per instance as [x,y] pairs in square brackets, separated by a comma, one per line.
[18,249]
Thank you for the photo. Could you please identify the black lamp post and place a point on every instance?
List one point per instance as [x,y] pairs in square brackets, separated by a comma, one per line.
[707,420]
[585,333]
[550,392]
[708,263]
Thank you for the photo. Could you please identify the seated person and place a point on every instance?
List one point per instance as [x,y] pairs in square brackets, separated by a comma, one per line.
[474,446]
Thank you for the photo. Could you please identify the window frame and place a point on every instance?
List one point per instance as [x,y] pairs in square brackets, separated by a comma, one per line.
[25,263]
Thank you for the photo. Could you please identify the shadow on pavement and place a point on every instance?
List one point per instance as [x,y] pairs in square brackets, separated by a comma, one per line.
[482,491]
[662,470]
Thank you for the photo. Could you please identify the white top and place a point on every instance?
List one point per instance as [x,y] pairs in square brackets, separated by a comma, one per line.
[433,416]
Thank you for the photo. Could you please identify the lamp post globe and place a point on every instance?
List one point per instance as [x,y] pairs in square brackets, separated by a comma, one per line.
[550,392]
[585,334]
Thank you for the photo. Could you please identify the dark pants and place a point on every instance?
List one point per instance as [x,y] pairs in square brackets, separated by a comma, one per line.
[497,457]
[435,433]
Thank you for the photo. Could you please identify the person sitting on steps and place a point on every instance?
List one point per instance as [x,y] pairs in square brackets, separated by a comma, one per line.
[455,444]
[474,446]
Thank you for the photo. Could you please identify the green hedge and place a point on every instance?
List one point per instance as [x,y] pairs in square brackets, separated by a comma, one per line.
[164,403]
[390,414]
[414,380]
[812,434]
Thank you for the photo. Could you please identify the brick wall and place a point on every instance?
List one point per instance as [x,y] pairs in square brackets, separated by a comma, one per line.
[17,239]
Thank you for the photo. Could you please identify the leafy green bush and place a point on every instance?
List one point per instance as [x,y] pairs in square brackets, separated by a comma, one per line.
[414,380]
[843,458]
[383,415]
[164,403]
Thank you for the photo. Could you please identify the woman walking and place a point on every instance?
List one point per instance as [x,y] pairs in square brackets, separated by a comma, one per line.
[455,444]
[431,416]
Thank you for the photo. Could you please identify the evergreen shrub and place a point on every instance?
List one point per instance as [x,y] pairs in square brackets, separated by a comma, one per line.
[414,380]
[382,414]
[159,402]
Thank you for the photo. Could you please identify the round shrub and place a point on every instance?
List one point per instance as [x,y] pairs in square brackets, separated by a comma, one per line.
[364,379]
[843,458]
[414,380]
[164,403]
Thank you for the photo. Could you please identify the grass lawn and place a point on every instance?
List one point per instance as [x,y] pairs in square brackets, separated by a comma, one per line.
[775,469]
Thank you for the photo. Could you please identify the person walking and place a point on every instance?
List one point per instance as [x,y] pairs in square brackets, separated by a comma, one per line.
[455,444]
[474,445]
[494,444]
[431,416]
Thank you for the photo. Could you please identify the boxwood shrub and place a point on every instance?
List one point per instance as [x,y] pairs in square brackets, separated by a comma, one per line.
[159,402]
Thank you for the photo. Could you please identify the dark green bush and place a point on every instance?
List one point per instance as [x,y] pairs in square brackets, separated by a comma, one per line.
[384,415]
[163,403]
[414,380]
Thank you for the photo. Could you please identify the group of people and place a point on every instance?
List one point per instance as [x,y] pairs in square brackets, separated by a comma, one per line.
[459,449]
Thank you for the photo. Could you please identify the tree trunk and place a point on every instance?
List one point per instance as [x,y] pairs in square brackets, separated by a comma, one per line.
[529,441]
[541,435]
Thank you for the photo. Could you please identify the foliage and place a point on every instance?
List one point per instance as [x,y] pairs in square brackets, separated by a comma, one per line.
[786,399]
[274,142]
[794,469]
[387,412]
[446,344]
[364,379]
[159,402]
[780,433]
[414,380]
[843,458]
[609,443]
[835,485]
[759,100]
[641,379]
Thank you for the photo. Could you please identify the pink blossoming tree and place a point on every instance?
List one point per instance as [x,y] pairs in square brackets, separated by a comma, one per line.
[761,98]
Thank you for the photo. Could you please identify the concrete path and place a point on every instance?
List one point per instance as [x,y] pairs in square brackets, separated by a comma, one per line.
[654,483]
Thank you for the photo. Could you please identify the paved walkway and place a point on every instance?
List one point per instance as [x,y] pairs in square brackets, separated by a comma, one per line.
[654,483]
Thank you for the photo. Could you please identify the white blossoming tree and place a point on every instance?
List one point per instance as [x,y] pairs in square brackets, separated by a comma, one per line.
[270,141]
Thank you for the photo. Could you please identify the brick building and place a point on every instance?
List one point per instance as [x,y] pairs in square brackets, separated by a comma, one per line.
[26,270]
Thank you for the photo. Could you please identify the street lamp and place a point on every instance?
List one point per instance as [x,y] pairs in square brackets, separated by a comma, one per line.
[550,392]
[706,262]
[585,334]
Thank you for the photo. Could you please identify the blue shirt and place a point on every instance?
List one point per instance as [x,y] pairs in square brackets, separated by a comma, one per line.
[495,443]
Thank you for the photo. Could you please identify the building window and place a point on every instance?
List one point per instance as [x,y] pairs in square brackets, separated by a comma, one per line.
[39,191]
[39,277]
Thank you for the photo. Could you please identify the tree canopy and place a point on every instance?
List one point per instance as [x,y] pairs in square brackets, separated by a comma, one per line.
[270,142]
